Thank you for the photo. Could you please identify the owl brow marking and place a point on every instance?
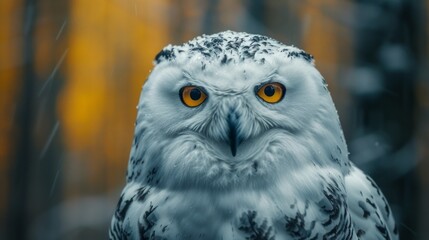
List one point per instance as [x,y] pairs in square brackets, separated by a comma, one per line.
[188,76]
[272,74]
[269,78]
[191,81]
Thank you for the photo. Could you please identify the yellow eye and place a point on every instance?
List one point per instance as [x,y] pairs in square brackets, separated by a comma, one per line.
[271,92]
[192,96]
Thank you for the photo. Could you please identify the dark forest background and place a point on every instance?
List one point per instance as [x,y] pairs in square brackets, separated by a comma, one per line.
[71,73]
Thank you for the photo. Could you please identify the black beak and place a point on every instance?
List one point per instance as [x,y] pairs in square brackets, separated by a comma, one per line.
[233,137]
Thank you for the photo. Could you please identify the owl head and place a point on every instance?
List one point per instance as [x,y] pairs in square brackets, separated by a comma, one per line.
[233,109]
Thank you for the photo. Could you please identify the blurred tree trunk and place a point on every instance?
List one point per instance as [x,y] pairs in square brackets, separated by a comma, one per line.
[35,176]
[210,17]
[256,21]
[423,134]
[388,38]
[21,165]
[177,21]
[46,175]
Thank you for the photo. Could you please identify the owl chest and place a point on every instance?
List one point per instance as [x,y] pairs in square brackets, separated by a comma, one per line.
[234,215]
[203,215]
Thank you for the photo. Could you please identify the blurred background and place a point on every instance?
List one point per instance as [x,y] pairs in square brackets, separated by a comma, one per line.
[71,73]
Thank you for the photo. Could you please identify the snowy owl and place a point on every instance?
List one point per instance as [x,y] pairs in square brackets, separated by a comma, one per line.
[237,137]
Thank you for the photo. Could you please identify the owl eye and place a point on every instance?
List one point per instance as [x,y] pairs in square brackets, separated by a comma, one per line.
[192,96]
[271,92]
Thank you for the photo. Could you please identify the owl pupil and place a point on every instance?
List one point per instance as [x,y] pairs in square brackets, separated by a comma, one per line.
[269,91]
[195,94]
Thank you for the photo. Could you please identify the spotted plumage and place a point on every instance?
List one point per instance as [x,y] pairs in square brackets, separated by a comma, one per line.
[237,138]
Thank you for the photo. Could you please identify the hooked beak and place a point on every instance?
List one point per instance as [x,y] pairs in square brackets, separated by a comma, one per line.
[233,136]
